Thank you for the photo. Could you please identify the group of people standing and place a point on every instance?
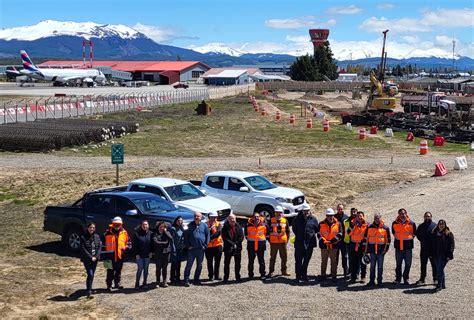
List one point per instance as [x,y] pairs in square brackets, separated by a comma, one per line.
[352,238]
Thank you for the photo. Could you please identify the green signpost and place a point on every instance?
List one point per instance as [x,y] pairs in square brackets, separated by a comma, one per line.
[117,154]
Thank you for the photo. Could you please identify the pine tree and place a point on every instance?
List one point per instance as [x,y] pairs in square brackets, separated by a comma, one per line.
[312,68]
[304,69]
[325,61]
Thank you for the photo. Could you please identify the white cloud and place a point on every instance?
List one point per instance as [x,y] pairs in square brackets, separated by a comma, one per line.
[158,34]
[297,23]
[385,6]
[352,9]
[403,25]
[411,39]
[449,18]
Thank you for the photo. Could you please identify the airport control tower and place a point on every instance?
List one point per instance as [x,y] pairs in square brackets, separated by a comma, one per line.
[318,36]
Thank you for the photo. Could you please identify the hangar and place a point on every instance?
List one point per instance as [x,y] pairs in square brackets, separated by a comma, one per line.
[162,72]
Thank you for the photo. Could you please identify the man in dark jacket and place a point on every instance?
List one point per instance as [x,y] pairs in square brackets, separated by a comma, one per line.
[423,234]
[196,239]
[305,227]
[343,248]
[233,236]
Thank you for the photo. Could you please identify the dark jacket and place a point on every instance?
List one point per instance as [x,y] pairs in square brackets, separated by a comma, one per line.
[336,241]
[178,237]
[91,246]
[407,244]
[443,244]
[232,244]
[341,218]
[381,247]
[197,236]
[305,230]
[162,243]
[424,234]
[141,243]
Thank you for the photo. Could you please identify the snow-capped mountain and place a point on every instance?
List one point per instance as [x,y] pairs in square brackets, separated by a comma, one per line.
[86,30]
[216,48]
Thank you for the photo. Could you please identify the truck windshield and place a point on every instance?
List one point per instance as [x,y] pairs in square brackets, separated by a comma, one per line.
[153,205]
[260,183]
[184,192]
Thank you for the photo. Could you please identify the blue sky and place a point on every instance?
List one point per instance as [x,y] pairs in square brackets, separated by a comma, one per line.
[276,26]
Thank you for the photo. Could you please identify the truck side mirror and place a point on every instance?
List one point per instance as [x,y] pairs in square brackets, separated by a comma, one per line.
[203,191]
[244,189]
[132,212]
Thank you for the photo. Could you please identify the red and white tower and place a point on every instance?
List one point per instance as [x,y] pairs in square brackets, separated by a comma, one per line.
[318,37]
[87,43]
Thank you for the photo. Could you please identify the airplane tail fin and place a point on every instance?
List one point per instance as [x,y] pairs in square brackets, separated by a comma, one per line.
[27,63]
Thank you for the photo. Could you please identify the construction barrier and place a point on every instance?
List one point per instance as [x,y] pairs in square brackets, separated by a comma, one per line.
[278,115]
[292,119]
[256,108]
[264,112]
[410,136]
[389,132]
[438,141]
[460,163]
[362,134]
[309,123]
[326,126]
[349,126]
[423,147]
[374,130]
[440,169]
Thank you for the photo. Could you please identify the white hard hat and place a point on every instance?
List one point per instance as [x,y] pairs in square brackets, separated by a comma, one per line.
[306,207]
[117,220]
[330,212]
[279,209]
[213,214]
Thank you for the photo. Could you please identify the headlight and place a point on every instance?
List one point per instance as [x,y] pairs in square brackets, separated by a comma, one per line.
[284,200]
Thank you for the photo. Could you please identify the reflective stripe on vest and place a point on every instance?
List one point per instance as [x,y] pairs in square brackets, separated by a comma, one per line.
[217,241]
[118,247]
[376,236]
[403,232]
[347,237]
[329,232]
[256,234]
[357,234]
[276,237]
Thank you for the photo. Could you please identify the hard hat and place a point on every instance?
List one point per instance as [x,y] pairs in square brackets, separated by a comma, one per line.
[330,212]
[213,214]
[366,259]
[279,209]
[306,207]
[117,220]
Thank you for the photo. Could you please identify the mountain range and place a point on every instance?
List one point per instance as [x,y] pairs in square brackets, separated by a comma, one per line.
[63,40]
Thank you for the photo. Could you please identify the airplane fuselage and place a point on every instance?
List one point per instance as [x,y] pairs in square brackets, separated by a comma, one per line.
[65,75]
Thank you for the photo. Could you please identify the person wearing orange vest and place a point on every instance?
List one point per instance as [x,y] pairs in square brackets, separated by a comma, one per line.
[377,242]
[356,232]
[330,235]
[279,236]
[214,248]
[403,230]
[117,242]
[256,234]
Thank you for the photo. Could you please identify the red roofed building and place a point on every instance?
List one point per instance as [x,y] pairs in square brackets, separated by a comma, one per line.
[163,72]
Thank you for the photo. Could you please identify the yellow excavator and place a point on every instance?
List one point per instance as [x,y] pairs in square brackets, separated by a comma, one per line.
[381,96]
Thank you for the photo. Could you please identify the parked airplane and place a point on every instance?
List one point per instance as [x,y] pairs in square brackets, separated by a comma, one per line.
[59,76]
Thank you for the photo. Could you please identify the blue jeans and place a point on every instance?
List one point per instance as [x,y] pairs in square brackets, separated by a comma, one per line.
[142,267]
[400,256]
[90,270]
[440,264]
[376,259]
[194,254]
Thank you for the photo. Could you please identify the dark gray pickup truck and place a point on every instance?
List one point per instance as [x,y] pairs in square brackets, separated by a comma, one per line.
[101,207]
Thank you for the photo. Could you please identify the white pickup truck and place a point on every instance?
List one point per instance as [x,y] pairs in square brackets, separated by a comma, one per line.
[249,192]
[182,193]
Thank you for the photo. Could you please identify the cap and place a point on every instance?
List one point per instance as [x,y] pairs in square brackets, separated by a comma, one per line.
[306,207]
[330,212]
[279,209]
[117,220]
[213,214]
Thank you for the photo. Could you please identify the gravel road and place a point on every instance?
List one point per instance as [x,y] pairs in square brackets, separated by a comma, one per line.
[450,197]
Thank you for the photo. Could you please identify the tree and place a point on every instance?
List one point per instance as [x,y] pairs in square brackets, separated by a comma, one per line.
[314,68]
[325,61]
[304,69]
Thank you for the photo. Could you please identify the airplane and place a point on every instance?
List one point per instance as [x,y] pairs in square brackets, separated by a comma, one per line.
[59,77]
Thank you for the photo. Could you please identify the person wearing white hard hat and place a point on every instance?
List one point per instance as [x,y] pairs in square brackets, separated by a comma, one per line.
[330,236]
[305,227]
[279,236]
[214,248]
[117,242]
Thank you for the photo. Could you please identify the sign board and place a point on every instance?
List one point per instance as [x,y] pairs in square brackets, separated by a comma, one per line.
[117,153]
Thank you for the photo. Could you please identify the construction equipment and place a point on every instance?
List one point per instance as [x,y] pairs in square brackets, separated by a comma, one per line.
[381,95]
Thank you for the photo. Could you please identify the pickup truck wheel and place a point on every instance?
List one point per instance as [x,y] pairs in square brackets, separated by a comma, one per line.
[266,211]
[72,239]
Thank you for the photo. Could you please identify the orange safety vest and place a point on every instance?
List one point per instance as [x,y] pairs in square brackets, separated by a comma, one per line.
[403,232]
[376,236]
[329,232]
[216,242]
[357,234]
[256,233]
[276,237]
[116,243]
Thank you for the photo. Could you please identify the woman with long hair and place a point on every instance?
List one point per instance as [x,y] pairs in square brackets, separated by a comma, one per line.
[443,249]
[90,253]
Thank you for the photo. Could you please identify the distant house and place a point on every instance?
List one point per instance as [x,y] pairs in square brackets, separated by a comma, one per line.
[226,77]
[347,77]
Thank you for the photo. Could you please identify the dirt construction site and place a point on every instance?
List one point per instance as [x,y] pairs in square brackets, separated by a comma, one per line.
[39,279]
